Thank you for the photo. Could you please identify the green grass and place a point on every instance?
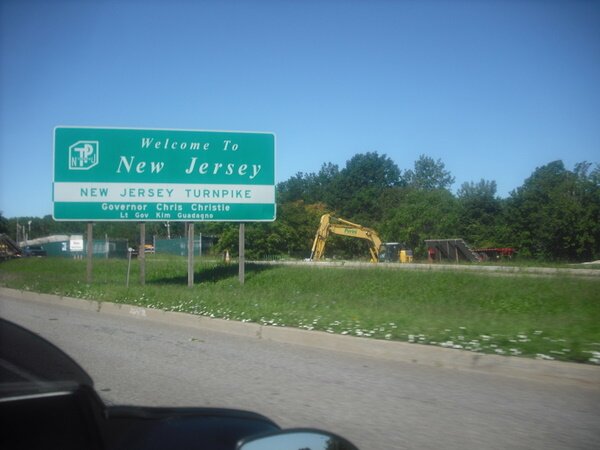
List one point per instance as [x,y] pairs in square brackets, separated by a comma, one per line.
[543,317]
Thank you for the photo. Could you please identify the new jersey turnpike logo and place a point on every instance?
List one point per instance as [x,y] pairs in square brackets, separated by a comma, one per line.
[83,155]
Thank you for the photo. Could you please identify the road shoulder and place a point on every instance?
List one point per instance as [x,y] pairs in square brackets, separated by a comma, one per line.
[517,367]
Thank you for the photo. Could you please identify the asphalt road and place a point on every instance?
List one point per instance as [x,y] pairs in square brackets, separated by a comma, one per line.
[377,404]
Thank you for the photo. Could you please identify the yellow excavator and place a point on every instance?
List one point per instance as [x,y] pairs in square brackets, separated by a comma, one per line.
[380,252]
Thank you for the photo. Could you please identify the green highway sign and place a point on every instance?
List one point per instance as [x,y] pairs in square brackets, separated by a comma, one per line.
[118,174]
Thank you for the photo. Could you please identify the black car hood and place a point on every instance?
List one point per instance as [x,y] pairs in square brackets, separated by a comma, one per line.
[29,363]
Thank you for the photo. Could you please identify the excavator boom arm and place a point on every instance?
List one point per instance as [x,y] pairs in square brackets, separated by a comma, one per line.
[318,248]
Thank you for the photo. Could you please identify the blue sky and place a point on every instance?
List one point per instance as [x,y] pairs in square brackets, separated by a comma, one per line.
[492,88]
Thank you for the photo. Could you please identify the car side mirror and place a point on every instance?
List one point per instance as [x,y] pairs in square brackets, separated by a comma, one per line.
[296,439]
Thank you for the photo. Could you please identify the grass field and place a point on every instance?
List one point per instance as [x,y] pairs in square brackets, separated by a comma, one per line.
[543,317]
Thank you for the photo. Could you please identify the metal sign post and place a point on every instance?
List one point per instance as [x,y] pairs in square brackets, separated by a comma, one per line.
[90,250]
[242,261]
[129,252]
[142,253]
[190,234]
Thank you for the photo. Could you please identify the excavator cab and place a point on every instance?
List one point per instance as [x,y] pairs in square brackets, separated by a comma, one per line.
[395,252]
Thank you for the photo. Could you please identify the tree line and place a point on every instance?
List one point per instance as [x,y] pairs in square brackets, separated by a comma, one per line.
[554,215]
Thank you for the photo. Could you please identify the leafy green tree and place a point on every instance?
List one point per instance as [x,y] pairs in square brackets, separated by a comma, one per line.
[594,176]
[423,214]
[293,189]
[299,223]
[290,235]
[355,194]
[3,223]
[556,213]
[308,187]
[428,174]
[479,213]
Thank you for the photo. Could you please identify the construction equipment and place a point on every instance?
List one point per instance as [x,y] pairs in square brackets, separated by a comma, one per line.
[9,248]
[395,252]
[392,251]
[451,249]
